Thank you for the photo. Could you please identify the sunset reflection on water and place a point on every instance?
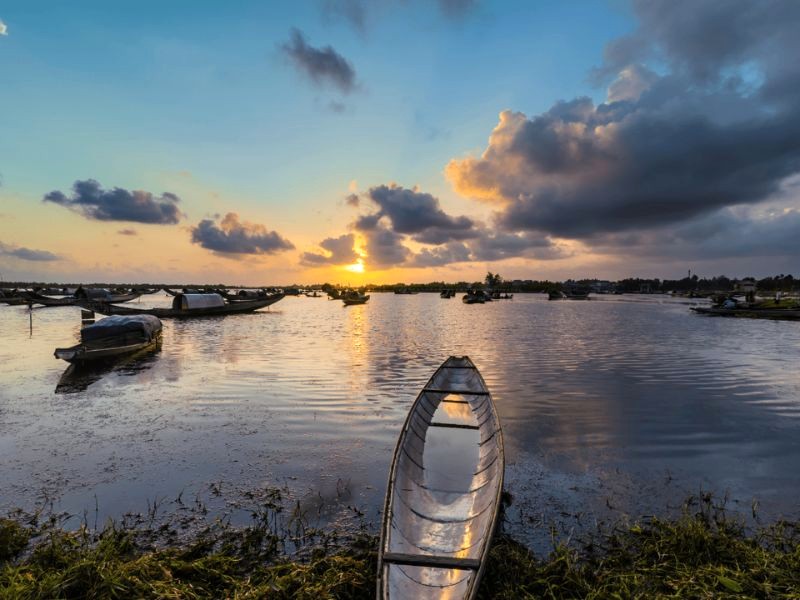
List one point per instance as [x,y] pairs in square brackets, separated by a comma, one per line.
[615,406]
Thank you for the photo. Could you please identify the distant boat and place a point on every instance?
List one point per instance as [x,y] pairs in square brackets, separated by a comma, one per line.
[188,306]
[313,294]
[405,291]
[351,298]
[113,337]
[104,295]
[472,297]
[556,295]
[447,294]
[36,298]
[444,493]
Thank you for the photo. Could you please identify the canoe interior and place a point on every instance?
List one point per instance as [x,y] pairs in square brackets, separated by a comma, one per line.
[444,489]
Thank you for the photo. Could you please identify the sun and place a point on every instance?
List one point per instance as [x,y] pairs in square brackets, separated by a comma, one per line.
[356,267]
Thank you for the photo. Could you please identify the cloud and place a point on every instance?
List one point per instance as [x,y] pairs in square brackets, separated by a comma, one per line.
[127,232]
[234,237]
[352,200]
[27,253]
[90,200]
[413,212]
[321,65]
[340,252]
[717,127]
[352,11]
[3,28]
[385,248]
[439,256]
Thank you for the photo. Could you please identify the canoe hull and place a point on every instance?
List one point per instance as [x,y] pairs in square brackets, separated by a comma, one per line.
[82,354]
[444,493]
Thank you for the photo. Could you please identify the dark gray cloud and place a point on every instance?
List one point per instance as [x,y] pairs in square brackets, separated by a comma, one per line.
[720,127]
[340,251]
[321,65]
[234,237]
[385,248]
[439,256]
[27,253]
[353,200]
[89,199]
[415,213]
[127,232]
[728,233]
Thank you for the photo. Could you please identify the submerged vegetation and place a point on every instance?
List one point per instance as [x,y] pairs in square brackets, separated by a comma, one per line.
[703,553]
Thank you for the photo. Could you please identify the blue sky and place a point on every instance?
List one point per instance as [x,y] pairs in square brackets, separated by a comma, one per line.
[198,99]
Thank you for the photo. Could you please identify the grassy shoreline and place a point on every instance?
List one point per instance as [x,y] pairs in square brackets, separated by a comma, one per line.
[704,553]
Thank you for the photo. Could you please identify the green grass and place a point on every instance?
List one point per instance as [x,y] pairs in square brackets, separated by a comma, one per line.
[702,554]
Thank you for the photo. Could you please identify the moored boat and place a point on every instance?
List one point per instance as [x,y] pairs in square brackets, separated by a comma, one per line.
[474,297]
[444,493]
[112,337]
[189,306]
[36,298]
[351,298]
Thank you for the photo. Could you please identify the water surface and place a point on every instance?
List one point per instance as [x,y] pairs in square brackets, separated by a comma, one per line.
[616,406]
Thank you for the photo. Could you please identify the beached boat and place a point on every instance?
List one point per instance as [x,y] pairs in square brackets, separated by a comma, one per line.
[112,337]
[354,298]
[188,306]
[787,314]
[444,492]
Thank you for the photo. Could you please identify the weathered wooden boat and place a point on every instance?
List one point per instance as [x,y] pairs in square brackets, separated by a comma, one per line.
[36,298]
[83,294]
[447,294]
[444,492]
[556,295]
[188,306]
[113,337]
[354,298]
[787,314]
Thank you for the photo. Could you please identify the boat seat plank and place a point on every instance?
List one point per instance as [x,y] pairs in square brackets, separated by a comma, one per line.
[422,560]
[453,425]
[457,392]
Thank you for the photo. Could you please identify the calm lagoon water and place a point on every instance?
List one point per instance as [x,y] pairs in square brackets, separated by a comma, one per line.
[617,406]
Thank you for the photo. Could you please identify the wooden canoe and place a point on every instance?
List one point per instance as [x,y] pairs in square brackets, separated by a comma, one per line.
[174,313]
[36,298]
[445,486]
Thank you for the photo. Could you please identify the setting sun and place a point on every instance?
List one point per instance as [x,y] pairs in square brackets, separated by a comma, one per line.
[357,267]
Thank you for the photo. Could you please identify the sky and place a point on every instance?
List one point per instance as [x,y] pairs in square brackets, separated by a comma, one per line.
[356,141]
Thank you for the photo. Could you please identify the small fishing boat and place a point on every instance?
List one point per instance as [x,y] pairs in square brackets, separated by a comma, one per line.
[189,306]
[472,297]
[112,337]
[36,298]
[351,298]
[556,295]
[445,485]
[447,294]
[98,295]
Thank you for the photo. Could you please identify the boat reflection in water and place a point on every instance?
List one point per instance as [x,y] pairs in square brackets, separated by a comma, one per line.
[79,376]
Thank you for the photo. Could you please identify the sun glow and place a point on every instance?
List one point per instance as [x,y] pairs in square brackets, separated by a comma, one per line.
[356,267]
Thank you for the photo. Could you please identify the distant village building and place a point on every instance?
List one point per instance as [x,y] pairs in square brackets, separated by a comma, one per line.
[745,286]
[601,287]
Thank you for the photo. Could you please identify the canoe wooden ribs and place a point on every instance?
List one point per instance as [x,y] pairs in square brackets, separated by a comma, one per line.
[445,483]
